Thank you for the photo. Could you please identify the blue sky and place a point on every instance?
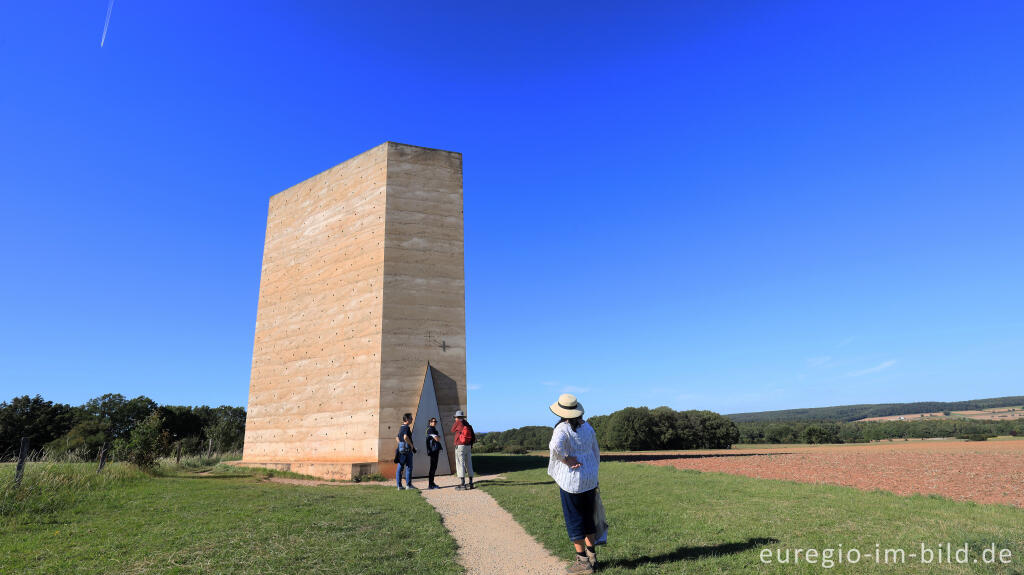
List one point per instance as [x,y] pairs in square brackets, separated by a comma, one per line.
[731,206]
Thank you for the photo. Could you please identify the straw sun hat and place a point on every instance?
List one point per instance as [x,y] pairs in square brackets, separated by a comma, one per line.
[567,406]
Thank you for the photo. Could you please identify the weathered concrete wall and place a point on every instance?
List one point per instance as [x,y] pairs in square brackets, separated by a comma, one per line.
[424,287]
[315,380]
[362,281]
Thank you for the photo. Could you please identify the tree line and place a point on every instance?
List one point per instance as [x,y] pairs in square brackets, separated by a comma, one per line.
[628,429]
[129,427]
[864,411]
[865,431]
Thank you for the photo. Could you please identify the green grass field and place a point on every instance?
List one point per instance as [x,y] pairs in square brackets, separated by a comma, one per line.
[227,521]
[67,519]
[665,520]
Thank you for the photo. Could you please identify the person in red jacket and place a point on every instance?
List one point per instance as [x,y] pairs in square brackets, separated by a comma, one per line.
[464,438]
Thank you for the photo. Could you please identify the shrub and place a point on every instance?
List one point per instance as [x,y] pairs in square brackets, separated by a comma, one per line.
[817,434]
[143,446]
[485,448]
[198,461]
[702,429]
[779,433]
[630,429]
[225,434]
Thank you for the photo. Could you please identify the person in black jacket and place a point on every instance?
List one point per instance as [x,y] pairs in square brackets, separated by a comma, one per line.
[433,451]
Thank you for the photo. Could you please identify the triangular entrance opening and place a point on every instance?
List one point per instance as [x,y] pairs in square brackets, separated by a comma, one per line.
[428,408]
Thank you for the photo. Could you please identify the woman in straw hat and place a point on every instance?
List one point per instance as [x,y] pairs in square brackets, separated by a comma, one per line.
[573,465]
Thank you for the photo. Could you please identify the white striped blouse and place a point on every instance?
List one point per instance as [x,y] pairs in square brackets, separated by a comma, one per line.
[581,444]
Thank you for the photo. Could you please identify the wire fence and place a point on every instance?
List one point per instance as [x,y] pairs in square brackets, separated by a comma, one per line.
[38,482]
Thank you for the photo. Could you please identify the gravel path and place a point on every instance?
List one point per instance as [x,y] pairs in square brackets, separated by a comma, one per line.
[490,541]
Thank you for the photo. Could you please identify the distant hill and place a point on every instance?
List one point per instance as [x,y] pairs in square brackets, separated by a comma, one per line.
[855,412]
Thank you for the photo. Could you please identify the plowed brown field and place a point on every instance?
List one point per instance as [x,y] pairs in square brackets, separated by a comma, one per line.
[986,472]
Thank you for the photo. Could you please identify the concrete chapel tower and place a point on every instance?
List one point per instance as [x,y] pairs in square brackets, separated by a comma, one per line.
[361,314]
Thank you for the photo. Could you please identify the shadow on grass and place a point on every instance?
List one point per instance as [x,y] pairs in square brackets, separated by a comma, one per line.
[496,463]
[487,464]
[507,483]
[690,553]
[634,457]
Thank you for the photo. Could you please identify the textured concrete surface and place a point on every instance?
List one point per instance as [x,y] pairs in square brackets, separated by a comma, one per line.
[361,286]
[424,317]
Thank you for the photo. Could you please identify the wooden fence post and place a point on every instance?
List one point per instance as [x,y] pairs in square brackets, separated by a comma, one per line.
[103,457]
[209,446]
[21,462]
[177,460]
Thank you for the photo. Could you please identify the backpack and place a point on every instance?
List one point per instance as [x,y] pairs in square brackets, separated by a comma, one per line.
[466,435]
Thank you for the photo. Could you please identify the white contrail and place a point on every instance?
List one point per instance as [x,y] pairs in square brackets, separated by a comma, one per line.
[107,23]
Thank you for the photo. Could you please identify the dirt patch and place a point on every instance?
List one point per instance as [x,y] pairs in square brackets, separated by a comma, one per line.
[989,472]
